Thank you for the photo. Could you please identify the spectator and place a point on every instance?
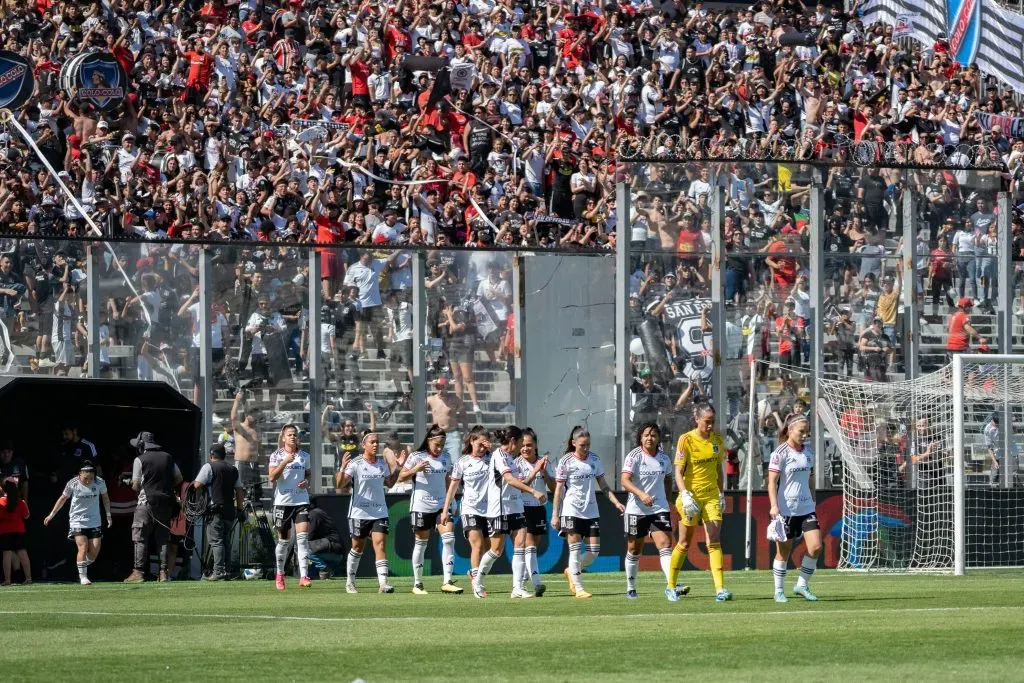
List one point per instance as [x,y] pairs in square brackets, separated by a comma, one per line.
[961,332]
[13,469]
[877,350]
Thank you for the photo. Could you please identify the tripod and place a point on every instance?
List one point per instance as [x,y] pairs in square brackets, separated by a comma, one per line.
[255,539]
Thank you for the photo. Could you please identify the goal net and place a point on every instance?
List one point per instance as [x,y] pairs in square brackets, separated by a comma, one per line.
[930,467]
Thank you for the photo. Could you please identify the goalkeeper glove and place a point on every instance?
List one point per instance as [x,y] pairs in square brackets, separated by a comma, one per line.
[721,501]
[689,505]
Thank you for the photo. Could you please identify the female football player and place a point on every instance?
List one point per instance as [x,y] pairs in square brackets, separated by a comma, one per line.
[85,492]
[471,472]
[535,512]
[647,476]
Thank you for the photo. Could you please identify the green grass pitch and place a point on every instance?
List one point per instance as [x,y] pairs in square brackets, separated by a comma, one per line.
[865,628]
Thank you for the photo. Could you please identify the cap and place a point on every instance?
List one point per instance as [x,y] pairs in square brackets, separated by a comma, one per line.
[441,382]
[646,372]
[143,438]
[103,124]
[218,451]
[149,214]
[965,302]
[876,319]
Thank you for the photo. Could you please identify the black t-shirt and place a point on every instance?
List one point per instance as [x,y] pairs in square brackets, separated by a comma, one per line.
[878,339]
[563,171]
[322,527]
[15,469]
[70,457]
[874,189]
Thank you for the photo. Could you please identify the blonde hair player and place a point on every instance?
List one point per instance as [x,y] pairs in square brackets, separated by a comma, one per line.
[789,473]
[471,472]
[698,469]
[289,469]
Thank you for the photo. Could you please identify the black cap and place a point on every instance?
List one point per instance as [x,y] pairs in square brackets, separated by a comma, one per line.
[218,451]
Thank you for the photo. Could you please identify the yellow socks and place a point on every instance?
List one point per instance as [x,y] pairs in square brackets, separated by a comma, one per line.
[678,558]
[715,563]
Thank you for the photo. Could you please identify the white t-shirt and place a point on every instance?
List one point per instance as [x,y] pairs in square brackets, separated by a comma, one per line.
[366,279]
[85,503]
[367,500]
[580,480]
[502,498]
[217,325]
[474,473]
[287,491]
[326,335]
[794,468]
[522,469]
[429,486]
[496,293]
[648,472]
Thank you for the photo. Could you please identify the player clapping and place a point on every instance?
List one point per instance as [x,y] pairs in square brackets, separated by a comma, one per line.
[472,472]
[540,478]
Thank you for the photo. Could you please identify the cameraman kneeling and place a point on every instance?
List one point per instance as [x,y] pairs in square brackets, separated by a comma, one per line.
[224,484]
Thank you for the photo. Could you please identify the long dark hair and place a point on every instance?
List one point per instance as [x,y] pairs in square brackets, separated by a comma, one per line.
[13,494]
[790,420]
[508,434]
[644,427]
[576,432]
[476,431]
[434,431]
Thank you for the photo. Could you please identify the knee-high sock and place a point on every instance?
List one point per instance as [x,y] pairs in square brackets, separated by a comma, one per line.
[486,563]
[518,568]
[779,572]
[807,567]
[574,565]
[632,567]
[302,550]
[531,565]
[715,564]
[676,563]
[281,554]
[593,550]
[419,552]
[382,572]
[665,558]
[448,554]
[83,570]
[352,565]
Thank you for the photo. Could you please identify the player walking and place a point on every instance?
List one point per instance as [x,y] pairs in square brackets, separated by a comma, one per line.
[789,474]
[575,507]
[534,511]
[369,475]
[85,492]
[698,470]
[429,468]
[647,476]
[290,471]
[505,511]
[472,471]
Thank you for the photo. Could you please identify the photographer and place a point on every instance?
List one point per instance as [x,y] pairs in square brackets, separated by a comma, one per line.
[224,486]
[876,346]
[155,478]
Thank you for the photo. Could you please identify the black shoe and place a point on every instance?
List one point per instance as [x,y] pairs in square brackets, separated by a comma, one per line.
[380,354]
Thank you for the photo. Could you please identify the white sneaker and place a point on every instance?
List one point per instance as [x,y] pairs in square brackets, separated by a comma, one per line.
[476,408]
[350,588]
[84,581]
[521,594]
[217,420]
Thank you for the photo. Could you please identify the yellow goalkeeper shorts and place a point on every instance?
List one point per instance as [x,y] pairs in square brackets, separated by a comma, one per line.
[710,511]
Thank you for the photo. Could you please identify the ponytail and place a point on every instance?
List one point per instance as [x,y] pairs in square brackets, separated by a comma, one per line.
[508,435]
[791,420]
[575,433]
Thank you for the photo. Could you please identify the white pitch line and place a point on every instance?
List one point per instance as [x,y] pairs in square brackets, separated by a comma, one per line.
[544,617]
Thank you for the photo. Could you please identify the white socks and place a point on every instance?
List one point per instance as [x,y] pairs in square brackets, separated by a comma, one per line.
[281,554]
[632,566]
[665,558]
[352,566]
[302,550]
[486,562]
[779,572]
[448,554]
[382,572]
[807,567]
[83,570]
[419,552]
[531,564]
[574,564]
[593,550]
[518,568]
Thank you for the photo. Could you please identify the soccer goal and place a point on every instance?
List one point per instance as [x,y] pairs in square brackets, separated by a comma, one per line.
[931,478]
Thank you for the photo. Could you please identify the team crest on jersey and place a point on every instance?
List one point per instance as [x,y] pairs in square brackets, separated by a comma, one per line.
[714,449]
[963,29]
[16,80]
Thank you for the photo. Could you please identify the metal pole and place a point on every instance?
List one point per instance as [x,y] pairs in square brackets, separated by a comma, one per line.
[720,342]
[817,331]
[206,349]
[1004,319]
[518,382]
[92,310]
[623,380]
[911,313]
[753,446]
[317,373]
[419,346]
[959,530]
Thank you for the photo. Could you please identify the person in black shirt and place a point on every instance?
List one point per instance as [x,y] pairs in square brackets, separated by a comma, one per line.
[871,195]
[13,469]
[324,540]
[224,485]
[875,345]
[562,167]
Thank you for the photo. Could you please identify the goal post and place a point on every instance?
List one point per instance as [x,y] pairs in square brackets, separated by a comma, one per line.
[931,478]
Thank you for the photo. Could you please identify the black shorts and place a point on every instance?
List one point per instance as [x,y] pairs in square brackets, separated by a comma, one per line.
[367,315]
[798,524]
[505,524]
[638,526]
[287,515]
[588,528]
[361,528]
[422,521]
[401,353]
[95,532]
[536,519]
[12,542]
[473,523]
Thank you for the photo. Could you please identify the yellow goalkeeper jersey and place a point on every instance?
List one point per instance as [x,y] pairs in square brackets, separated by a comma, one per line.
[702,459]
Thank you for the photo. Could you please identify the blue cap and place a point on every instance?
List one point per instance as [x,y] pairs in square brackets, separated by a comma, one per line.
[149,214]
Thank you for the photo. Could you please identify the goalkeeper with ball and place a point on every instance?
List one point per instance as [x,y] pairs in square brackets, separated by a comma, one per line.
[698,469]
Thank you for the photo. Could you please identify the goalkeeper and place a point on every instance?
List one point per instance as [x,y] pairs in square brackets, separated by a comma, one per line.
[698,467]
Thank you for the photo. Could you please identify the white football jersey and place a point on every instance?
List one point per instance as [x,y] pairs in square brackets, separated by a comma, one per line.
[648,473]
[85,510]
[794,468]
[502,498]
[522,469]
[474,474]
[287,491]
[367,500]
[429,485]
[580,480]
